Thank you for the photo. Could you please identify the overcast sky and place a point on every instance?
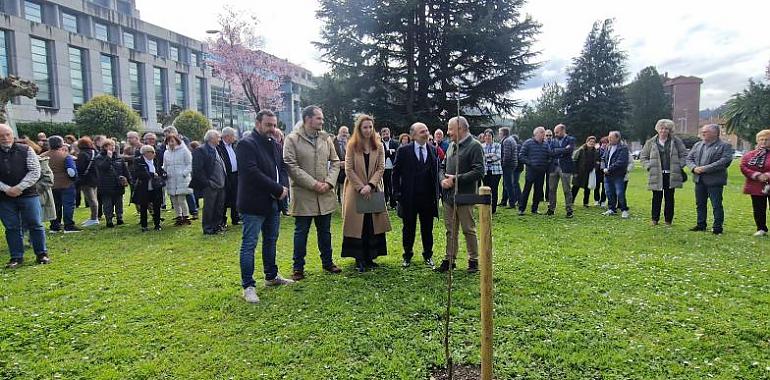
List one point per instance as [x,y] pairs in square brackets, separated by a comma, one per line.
[722,42]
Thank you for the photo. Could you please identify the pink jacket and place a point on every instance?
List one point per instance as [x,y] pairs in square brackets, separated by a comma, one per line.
[754,186]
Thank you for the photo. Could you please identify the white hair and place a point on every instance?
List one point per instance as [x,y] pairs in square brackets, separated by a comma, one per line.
[714,127]
[210,134]
[538,129]
[461,121]
[664,123]
[132,133]
[616,134]
[146,148]
[228,131]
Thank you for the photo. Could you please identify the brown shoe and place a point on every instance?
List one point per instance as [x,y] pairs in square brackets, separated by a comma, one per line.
[333,269]
[43,258]
[298,275]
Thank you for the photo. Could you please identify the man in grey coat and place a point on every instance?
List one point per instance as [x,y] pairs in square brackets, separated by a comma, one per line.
[209,178]
[709,160]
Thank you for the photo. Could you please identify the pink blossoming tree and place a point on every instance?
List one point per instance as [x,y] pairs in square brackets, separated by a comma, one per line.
[236,58]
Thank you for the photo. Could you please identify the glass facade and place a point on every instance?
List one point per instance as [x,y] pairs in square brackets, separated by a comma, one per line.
[173,53]
[194,59]
[5,63]
[69,22]
[200,97]
[41,72]
[77,59]
[128,40]
[152,47]
[180,90]
[136,77]
[109,82]
[101,32]
[226,112]
[159,80]
[33,11]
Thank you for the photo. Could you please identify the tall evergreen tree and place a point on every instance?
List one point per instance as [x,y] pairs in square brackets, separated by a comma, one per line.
[404,60]
[647,102]
[333,97]
[594,99]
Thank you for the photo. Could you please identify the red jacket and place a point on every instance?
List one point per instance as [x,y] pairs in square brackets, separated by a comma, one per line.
[754,186]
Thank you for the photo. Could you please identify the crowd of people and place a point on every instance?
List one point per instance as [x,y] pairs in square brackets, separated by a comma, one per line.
[262,175]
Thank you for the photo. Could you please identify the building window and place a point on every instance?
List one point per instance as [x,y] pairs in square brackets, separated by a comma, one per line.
[41,71]
[124,7]
[136,76]
[5,63]
[102,32]
[173,53]
[69,22]
[200,90]
[77,60]
[152,47]
[181,90]
[33,11]
[159,79]
[108,75]
[128,40]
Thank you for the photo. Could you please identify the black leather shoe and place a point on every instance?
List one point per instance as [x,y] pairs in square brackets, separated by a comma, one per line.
[717,231]
[570,214]
[360,267]
[549,212]
[43,258]
[14,263]
[698,228]
[473,266]
[444,267]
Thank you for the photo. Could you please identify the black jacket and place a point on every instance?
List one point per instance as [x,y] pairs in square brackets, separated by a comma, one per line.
[109,170]
[85,162]
[203,166]
[405,176]
[226,157]
[391,144]
[260,160]
[143,177]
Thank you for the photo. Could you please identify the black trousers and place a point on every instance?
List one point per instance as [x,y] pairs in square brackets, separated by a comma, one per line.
[231,199]
[586,193]
[760,205]
[424,210]
[154,198]
[536,178]
[658,197]
[388,179]
[493,181]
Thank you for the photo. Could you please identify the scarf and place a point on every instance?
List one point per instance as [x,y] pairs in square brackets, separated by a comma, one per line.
[759,160]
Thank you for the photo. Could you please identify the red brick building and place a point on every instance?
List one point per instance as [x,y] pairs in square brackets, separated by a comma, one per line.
[685,98]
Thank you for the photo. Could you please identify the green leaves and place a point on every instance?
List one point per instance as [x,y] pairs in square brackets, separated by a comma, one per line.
[748,112]
[106,115]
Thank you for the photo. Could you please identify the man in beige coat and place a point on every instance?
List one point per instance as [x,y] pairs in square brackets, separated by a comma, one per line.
[313,169]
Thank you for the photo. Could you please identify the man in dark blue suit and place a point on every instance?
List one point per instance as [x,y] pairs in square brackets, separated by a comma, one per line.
[562,167]
[416,188]
[263,184]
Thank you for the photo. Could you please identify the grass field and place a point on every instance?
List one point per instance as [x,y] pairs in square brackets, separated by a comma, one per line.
[588,298]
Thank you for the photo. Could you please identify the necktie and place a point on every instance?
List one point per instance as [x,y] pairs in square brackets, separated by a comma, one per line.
[422,156]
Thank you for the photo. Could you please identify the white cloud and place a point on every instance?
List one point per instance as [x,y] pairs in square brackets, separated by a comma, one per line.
[722,42]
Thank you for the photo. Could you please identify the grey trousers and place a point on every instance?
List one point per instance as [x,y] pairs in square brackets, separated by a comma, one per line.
[213,207]
[566,186]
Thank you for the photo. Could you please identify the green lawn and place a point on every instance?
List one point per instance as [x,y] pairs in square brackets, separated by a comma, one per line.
[591,297]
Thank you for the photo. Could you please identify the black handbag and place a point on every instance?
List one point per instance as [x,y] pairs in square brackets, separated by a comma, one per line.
[158,182]
[684,176]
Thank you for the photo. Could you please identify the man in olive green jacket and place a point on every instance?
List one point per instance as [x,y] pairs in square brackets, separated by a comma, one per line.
[313,168]
[464,169]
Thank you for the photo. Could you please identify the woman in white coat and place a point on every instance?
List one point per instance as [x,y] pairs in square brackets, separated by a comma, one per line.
[177,162]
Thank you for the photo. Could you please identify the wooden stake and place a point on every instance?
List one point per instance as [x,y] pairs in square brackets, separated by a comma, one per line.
[485,266]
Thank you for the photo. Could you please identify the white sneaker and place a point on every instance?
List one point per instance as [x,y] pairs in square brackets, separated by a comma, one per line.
[91,222]
[250,295]
[278,280]
[597,204]
[601,205]
[760,233]
[608,213]
[624,215]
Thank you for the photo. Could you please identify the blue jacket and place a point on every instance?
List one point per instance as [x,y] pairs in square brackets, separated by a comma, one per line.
[536,155]
[562,153]
[617,166]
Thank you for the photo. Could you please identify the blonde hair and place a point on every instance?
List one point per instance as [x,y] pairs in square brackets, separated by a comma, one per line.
[765,133]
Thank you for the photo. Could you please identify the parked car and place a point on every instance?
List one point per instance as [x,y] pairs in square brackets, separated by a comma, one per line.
[636,154]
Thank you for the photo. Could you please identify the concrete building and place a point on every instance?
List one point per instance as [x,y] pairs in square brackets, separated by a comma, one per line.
[685,98]
[77,49]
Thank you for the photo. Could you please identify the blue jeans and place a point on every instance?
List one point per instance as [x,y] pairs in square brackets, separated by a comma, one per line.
[19,214]
[511,189]
[616,193]
[269,225]
[704,193]
[64,199]
[323,230]
[192,205]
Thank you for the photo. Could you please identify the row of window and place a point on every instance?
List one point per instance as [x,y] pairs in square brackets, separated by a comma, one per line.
[33,11]
[43,76]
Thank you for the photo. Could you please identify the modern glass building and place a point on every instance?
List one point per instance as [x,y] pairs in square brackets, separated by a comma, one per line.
[77,49]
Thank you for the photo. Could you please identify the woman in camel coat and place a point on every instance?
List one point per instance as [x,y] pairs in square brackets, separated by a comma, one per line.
[364,234]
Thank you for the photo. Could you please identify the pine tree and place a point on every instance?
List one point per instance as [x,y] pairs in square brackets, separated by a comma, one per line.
[404,60]
[648,103]
[594,99]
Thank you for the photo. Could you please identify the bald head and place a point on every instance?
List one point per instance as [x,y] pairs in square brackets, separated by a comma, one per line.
[420,133]
[6,136]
